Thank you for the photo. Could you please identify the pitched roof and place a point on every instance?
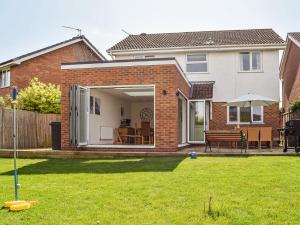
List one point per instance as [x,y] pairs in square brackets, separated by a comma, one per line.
[200,39]
[52,48]
[202,90]
[295,36]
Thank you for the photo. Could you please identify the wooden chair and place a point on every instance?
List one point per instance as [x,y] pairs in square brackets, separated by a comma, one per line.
[146,132]
[266,136]
[119,139]
[253,135]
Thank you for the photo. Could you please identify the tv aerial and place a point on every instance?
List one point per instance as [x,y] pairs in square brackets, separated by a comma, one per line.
[74,28]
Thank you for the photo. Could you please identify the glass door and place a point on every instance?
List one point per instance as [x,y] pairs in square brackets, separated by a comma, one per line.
[196,121]
[83,115]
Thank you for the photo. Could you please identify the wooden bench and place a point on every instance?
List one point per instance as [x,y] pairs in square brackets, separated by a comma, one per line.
[234,136]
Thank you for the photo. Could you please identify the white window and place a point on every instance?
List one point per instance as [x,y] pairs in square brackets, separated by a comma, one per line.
[244,114]
[196,63]
[4,78]
[250,61]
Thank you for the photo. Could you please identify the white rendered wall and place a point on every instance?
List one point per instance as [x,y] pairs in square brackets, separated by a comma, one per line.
[223,68]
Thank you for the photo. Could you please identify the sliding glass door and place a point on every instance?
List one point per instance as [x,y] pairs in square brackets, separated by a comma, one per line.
[196,121]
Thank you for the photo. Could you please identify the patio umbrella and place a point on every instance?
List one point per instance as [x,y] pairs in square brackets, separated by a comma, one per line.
[251,100]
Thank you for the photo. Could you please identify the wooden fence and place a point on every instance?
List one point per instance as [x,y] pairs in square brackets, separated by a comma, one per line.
[33,129]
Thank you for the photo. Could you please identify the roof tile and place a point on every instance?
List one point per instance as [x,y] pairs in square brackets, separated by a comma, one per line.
[198,39]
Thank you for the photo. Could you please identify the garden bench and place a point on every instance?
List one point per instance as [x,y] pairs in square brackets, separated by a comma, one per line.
[233,136]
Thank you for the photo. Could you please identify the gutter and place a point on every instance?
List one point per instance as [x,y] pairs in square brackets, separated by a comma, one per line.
[196,49]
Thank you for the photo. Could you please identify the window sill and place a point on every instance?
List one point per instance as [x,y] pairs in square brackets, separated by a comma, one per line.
[253,123]
[192,73]
[252,71]
[4,87]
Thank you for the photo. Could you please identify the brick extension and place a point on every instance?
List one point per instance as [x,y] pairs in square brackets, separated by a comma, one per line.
[164,77]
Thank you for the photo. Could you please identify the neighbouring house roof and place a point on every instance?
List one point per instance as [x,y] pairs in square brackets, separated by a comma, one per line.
[50,48]
[295,37]
[292,37]
[202,90]
[199,39]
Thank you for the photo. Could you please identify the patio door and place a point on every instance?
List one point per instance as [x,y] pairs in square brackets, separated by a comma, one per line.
[79,115]
[196,121]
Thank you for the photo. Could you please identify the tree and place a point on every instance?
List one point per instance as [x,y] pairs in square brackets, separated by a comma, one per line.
[40,97]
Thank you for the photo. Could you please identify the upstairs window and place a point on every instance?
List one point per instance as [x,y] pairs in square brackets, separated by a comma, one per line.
[250,61]
[196,63]
[4,78]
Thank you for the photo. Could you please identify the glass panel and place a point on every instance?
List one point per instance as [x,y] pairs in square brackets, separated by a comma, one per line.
[256,60]
[245,61]
[196,121]
[7,78]
[91,104]
[83,116]
[233,116]
[245,114]
[195,58]
[257,114]
[196,67]
[97,106]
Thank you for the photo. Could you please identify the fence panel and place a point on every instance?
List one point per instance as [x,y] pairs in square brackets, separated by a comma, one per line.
[33,129]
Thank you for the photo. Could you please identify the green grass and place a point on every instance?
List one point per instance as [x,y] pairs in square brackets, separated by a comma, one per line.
[159,191]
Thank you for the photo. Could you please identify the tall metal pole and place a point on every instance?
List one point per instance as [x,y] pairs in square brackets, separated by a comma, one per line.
[15,152]
[14,103]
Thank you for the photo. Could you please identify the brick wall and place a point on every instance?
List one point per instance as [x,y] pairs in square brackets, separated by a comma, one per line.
[291,76]
[164,77]
[219,118]
[47,67]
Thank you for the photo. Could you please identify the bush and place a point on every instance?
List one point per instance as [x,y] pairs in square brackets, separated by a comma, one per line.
[295,106]
[40,97]
[2,102]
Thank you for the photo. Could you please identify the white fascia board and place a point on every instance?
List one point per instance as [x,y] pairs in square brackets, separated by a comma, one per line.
[10,64]
[197,49]
[117,64]
[125,64]
[284,57]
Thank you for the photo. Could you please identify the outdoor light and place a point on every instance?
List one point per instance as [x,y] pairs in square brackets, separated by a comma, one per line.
[164,92]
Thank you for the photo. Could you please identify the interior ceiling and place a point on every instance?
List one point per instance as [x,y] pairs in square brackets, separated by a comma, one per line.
[120,93]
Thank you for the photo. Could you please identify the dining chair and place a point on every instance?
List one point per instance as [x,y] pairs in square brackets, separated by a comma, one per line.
[252,135]
[146,132]
[266,136]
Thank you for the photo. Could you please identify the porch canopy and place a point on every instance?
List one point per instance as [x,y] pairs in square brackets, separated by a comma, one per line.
[251,100]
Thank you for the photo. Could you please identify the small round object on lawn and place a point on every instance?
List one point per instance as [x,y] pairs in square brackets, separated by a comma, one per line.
[193,155]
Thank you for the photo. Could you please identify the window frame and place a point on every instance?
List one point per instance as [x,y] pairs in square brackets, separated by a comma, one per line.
[197,62]
[260,70]
[5,73]
[239,116]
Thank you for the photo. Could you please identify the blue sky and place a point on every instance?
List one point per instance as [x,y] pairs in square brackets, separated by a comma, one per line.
[33,24]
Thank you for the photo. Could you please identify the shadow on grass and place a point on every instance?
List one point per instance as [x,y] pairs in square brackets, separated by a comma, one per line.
[59,166]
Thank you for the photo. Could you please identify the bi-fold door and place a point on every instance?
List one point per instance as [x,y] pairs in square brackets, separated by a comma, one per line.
[79,115]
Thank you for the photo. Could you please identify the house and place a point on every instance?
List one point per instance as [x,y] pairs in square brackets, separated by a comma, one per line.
[290,70]
[177,83]
[45,63]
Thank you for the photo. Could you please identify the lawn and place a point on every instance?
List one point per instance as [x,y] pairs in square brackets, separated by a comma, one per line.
[160,191]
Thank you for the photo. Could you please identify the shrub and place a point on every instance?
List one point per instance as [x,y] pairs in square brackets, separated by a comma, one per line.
[295,106]
[2,102]
[40,97]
